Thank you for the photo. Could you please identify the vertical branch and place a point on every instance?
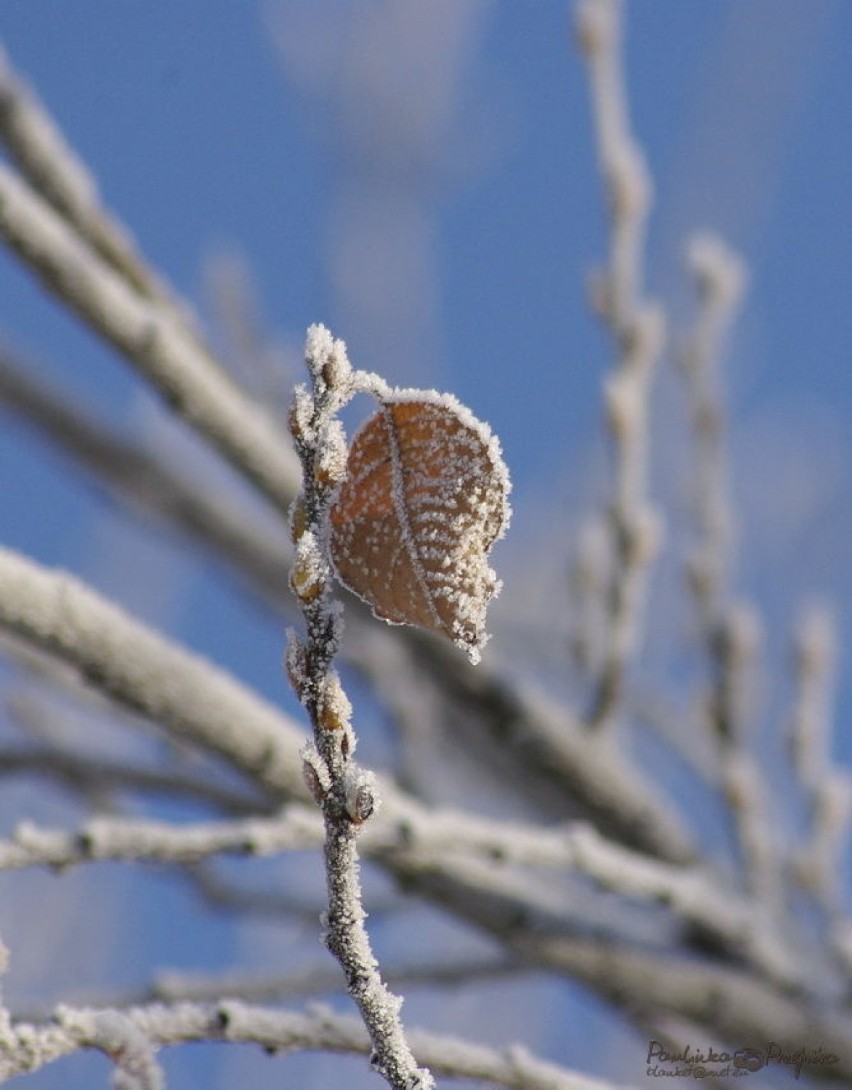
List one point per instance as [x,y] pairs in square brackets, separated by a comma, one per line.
[344,791]
[729,628]
[719,278]
[637,329]
[826,791]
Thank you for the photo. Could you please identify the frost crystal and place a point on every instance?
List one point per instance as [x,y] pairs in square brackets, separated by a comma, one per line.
[424,500]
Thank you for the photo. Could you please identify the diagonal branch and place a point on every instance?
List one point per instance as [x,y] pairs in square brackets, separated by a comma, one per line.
[561,768]
[145,483]
[148,674]
[644,983]
[194,700]
[40,152]
[186,377]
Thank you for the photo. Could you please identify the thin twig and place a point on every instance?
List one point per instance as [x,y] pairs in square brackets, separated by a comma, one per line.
[26,1047]
[561,765]
[827,791]
[191,698]
[420,841]
[729,628]
[719,277]
[111,838]
[345,792]
[637,330]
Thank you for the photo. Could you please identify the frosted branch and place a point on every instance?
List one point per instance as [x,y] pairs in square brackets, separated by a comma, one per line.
[421,840]
[814,662]
[147,484]
[25,1047]
[345,792]
[556,753]
[637,329]
[719,277]
[725,1002]
[53,169]
[158,345]
[149,674]
[196,701]
[828,792]
[729,629]
[107,838]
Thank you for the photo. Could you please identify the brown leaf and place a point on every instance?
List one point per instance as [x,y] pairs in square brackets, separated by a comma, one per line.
[424,499]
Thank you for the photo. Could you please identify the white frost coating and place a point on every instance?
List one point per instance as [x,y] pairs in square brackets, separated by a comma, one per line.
[334,706]
[317,1028]
[193,384]
[123,1041]
[308,553]
[348,799]
[309,573]
[479,427]
[319,347]
[316,770]
[368,382]
[295,664]
[328,363]
[362,798]
[331,455]
[301,411]
[148,673]
[719,271]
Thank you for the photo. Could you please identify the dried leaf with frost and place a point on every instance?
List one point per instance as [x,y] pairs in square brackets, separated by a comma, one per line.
[423,501]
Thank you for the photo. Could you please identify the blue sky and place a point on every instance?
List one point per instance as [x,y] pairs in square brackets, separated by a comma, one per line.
[426,185]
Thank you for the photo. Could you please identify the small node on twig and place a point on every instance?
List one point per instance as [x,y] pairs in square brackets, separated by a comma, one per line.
[360,794]
[296,665]
[316,774]
[646,536]
[334,710]
[327,361]
[594,28]
[622,406]
[628,182]
[330,465]
[300,415]
[720,274]
[741,634]
[307,577]
[298,517]
[647,334]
